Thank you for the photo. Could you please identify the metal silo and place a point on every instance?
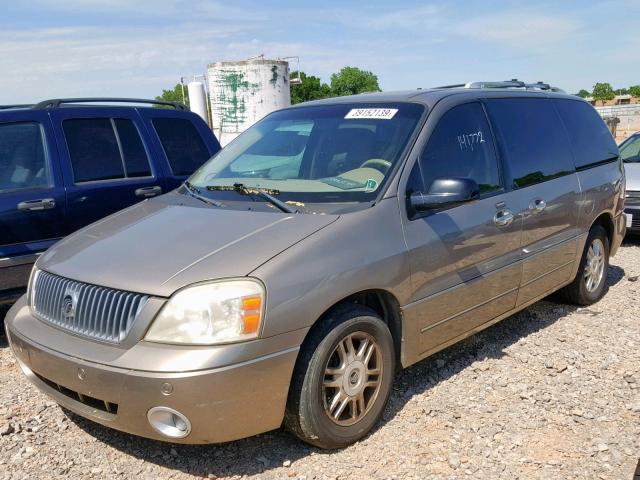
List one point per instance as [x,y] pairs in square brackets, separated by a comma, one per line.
[245,91]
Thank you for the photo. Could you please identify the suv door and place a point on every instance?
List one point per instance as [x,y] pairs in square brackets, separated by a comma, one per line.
[181,140]
[463,260]
[540,168]
[106,163]
[32,200]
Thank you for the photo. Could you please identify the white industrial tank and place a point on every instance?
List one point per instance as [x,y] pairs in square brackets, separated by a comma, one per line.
[245,91]
[198,100]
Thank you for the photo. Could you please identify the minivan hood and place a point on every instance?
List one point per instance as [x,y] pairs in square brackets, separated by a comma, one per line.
[161,245]
[632,174]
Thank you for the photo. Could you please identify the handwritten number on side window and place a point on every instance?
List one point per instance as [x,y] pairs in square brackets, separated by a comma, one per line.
[468,141]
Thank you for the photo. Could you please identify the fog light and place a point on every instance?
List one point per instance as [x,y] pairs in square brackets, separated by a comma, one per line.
[169,422]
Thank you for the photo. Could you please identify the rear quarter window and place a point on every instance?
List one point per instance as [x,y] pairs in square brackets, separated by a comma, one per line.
[532,139]
[182,144]
[590,138]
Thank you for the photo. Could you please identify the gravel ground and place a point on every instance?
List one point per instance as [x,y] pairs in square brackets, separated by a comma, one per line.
[552,392]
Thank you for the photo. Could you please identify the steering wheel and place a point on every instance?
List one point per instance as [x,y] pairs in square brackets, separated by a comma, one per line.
[377,163]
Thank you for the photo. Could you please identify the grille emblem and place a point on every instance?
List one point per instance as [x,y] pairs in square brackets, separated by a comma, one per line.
[69,303]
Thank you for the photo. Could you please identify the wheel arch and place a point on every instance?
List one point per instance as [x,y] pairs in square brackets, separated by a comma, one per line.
[605,220]
[382,302]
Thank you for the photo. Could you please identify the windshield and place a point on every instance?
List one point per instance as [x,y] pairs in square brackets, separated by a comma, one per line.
[315,154]
[630,150]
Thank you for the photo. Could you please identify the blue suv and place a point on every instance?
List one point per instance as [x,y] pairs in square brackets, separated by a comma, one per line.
[67,163]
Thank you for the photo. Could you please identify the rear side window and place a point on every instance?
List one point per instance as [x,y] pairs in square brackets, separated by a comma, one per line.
[23,163]
[135,156]
[105,149]
[531,138]
[461,146]
[182,144]
[590,138]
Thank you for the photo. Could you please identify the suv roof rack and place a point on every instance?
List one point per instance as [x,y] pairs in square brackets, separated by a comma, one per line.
[513,83]
[17,105]
[57,102]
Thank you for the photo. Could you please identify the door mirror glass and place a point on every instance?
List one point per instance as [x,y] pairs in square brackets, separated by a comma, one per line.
[445,192]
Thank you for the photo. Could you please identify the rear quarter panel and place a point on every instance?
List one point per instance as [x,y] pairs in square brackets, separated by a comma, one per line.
[602,192]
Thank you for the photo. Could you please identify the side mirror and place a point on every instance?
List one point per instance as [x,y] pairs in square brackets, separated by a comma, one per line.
[445,192]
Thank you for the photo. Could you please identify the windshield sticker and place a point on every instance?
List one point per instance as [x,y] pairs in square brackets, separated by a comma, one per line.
[374,113]
[371,185]
[342,183]
[467,141]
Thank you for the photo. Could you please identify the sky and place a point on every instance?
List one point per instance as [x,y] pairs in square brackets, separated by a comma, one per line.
[136,48]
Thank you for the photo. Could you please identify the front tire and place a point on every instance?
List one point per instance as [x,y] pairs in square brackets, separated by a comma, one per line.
[589,285]
[342,379]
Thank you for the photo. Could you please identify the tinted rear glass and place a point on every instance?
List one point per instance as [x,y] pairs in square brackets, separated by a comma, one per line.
[532,139]
[182,144]
[22,156]
[135,156]
[590,138]
[93,148]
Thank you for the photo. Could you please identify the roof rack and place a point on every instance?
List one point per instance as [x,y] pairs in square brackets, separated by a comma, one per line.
[513,83]
[17,105]
[57,102]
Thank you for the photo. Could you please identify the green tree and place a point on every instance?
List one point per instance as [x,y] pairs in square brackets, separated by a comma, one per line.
[603,92]
[583,93]
[311,88]
[634,91]
[622,91]
[352,80]
[175,95]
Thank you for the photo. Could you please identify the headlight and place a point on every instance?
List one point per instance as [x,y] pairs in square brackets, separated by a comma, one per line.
[210,313]
[31,286]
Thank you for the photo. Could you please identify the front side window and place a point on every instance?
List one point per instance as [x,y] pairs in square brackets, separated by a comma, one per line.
[630,150]
[105,149]
[461,146]
[182,144]
[532,139]
[23,163]
[317,154]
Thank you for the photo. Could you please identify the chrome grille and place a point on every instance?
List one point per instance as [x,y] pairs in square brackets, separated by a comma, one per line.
[89,310]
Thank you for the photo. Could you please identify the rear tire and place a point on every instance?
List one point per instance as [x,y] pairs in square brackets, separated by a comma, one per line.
[589,285]
[342,379]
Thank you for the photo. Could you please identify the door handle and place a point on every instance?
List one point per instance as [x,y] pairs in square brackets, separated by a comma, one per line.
[537,206]
[147,192]
[35,205]
[503,218]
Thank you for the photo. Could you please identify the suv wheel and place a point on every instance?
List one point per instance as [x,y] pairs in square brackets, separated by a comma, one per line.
[342,379]
[589,285]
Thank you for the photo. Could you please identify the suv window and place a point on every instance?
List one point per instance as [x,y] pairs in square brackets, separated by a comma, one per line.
[461,146]
[135,156]
[105,149]
[23,161]
[590,138]
[630,150]
[182,144]
[531,138]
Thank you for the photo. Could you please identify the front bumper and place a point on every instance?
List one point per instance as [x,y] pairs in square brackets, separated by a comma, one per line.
[222,404]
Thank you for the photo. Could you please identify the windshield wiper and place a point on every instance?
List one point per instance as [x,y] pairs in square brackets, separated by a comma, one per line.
[195,193]
[261,192]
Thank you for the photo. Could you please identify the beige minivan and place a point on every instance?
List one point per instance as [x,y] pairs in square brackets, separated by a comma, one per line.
[329,245]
